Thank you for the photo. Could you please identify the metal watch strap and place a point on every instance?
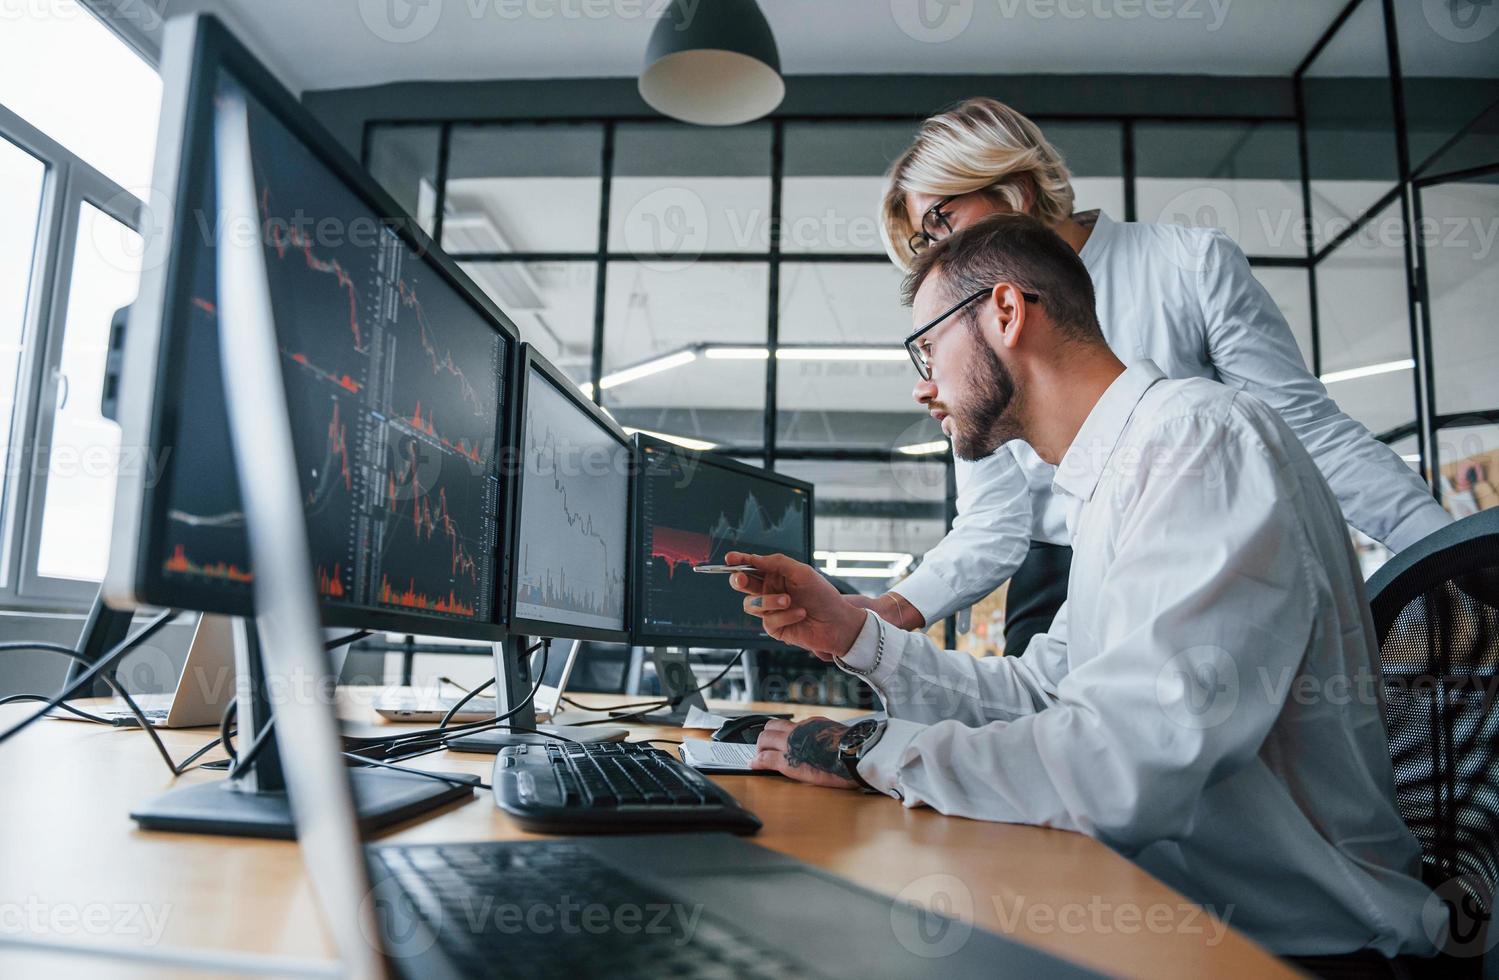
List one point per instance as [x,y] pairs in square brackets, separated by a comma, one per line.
[852,753]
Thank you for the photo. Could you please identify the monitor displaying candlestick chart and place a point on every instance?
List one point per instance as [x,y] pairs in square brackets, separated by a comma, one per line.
[571,549]
[395,373]
[693,509]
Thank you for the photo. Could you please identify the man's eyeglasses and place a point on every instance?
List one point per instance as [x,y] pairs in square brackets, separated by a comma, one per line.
[919,357]
[935,221]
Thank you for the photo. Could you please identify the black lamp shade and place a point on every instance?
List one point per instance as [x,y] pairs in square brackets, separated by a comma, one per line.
[712,62]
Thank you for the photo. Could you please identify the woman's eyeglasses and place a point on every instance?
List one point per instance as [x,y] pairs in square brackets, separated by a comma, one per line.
[936,223]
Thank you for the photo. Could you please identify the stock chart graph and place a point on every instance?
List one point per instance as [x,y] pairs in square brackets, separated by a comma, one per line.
[571,543]
[695,512]
[393,382]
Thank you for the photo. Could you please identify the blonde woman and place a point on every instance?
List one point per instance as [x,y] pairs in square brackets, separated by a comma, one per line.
[1184,298]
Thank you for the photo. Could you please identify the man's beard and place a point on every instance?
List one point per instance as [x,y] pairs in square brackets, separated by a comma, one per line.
[988,416]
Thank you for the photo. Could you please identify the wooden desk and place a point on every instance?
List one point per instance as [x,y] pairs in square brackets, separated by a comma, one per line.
[69,848]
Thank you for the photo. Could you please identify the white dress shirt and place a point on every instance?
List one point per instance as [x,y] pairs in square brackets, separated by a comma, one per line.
[1186,299]
[1206,702]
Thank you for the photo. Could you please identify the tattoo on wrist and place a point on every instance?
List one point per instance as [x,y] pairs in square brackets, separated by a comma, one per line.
[815,744]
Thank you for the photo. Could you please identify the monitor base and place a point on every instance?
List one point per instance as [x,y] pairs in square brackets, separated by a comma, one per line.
[490,743]
[381,796]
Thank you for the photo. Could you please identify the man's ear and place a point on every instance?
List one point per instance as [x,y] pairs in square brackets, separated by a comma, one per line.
[1010,313]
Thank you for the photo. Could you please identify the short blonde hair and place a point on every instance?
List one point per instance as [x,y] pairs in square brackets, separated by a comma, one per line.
[979,144]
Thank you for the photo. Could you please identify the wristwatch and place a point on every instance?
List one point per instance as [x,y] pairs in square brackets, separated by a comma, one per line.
[856,742]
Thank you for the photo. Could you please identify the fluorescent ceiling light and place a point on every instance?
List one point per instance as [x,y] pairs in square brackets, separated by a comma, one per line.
[841,354]
[890,556]
[1368,370]
[923,448]
[895,563]
[586,387]
[626,375]
[685,442]
[1412,457]
[736,353]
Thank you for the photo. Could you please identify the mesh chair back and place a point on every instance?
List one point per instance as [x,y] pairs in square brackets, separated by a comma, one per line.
[1436,614]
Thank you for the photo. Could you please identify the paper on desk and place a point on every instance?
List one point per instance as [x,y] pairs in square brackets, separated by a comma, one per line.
[698,718]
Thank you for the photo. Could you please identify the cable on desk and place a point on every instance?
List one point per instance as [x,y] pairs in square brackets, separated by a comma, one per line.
[545,646]
[615,719]
[613,707]
[17,645]
[440,777]
[722,673]
[104,665]
[410,744]
[345,640]
[261,737]
[86,716]
[65,651]
[647,706]
[231,711]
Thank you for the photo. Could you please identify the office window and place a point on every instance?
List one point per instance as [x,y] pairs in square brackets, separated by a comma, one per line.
[874,520]
[70,77]
[404,160]
[1291,290]
[1241,178]
[550,302]
[1476,148]
[1363,312]
[523,188]
[834,177]
[1462,278]
[690,271]
[1450,72]
[21,180]
[685,190]
[684,349]
[85,447]
[1094,153]
[843,378]
[1350,122]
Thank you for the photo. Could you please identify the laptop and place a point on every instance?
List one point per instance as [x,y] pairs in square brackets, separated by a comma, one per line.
[430,708]
[204,688]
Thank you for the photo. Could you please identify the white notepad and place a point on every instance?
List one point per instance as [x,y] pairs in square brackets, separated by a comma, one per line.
[707,756]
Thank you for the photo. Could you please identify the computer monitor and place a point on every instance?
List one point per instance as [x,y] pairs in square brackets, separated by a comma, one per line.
[570,574]
[691,509]
[397,372]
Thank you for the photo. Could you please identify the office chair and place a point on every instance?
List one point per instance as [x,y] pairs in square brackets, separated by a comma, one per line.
[1436,615]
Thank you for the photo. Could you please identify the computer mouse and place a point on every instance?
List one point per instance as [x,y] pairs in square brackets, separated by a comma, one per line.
[745,730]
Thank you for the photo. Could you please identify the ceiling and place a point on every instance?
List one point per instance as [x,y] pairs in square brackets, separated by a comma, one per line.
[363,42]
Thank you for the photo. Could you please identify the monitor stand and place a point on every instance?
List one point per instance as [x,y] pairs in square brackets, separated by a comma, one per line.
[254,803]
[513,679]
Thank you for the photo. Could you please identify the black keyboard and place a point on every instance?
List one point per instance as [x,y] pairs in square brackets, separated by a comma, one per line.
[611,786]
[476,900]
